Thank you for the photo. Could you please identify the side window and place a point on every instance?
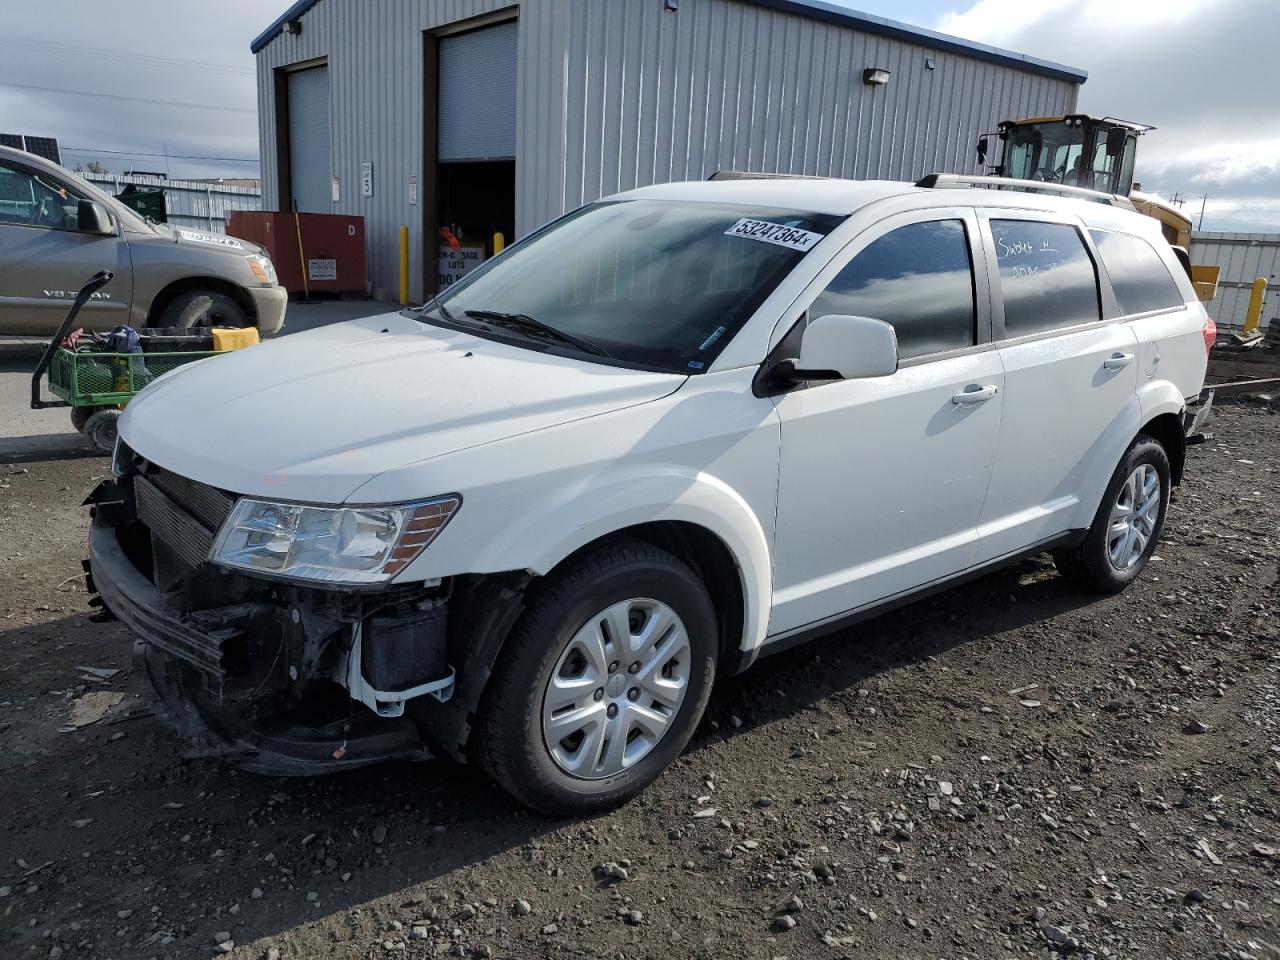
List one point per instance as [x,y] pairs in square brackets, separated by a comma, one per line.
[1138,275]
[1047,278]
[919,279]
[29,201]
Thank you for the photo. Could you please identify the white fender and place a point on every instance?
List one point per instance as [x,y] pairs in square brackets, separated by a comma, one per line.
[1159,397]
[1152,400]
[626,497]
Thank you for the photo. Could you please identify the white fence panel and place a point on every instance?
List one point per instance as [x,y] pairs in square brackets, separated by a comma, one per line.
[190,203]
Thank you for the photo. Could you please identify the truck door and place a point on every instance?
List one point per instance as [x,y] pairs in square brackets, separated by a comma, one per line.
[45,258]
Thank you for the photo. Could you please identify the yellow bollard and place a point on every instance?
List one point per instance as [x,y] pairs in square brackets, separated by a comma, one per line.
[499,243]
[1253,316]
[404,265]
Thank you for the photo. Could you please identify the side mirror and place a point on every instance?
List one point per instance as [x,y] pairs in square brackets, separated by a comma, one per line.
[1116,138]
[836,346]
[93,218]
[983,144]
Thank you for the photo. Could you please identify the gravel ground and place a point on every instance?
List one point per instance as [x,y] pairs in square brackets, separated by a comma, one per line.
[1010,769]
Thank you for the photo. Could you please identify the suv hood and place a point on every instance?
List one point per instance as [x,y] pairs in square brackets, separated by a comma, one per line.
[313,416]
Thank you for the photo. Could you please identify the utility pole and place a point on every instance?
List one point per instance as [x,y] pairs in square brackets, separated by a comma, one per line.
[1203,199]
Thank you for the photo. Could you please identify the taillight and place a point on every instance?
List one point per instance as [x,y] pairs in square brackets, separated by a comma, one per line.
[1210,332]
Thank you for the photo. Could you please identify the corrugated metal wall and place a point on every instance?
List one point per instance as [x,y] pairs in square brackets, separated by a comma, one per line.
[374,52]
[1243,258]
[623,93]
[647,96]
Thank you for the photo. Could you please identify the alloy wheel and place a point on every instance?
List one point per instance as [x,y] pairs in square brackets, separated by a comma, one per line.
[1133,517]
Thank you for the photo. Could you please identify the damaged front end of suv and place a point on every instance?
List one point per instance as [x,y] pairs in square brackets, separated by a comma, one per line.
[270,633]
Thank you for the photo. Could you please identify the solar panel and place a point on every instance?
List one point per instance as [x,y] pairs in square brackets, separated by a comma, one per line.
[11,140]
[46,147]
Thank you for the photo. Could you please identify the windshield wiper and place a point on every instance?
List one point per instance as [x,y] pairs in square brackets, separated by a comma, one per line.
[522,321]
[434,302]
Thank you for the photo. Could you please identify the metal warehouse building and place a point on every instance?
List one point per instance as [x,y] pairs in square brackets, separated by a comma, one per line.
[1243,258]
[478,116]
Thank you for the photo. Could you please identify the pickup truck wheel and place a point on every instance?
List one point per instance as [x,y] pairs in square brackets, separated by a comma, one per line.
[203,308]
[1127,525]
[602,681]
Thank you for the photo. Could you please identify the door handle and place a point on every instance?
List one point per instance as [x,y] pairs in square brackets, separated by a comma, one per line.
[1117,361]
[976,394]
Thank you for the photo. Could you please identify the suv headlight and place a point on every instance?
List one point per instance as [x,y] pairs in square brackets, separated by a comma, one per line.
[263,269]
[362,545]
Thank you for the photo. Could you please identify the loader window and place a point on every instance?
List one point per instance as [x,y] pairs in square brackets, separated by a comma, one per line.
[1051,152]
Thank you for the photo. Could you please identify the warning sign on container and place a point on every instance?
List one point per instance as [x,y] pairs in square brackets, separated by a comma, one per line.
[322,269]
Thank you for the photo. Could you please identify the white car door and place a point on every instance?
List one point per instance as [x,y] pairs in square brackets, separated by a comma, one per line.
[1168,321]
[882,480]
[1069,373]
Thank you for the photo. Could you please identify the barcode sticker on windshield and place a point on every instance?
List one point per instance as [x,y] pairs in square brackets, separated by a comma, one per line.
[778,233]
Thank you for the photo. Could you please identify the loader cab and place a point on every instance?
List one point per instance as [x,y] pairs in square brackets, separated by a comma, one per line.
[1075,150]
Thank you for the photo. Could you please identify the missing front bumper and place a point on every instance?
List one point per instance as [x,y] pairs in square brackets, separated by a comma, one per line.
[189,660]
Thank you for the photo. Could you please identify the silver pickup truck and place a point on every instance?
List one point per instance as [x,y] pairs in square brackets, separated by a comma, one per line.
[56,231]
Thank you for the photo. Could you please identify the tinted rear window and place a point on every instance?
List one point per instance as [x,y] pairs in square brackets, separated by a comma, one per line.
[918,279]
[1047,277]
[1138,276]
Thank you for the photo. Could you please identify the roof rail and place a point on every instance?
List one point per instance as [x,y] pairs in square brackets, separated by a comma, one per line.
[753,175]
[954,180]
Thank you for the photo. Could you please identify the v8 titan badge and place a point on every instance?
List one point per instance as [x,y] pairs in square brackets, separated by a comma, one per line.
[776,233]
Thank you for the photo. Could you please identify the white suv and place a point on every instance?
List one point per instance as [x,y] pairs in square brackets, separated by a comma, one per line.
[672,432]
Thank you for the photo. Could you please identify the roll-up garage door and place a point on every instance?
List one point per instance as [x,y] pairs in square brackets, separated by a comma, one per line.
[309,140]
[478,95]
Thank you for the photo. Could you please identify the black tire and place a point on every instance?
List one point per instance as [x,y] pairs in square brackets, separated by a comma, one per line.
[80,416]
[101,428]
[203,308]
[1089,565]
[509,739]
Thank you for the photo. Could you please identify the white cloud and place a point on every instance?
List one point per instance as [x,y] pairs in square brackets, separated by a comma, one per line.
[1196,69]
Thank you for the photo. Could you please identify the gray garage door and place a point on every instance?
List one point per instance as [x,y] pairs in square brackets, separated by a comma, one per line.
[478,95]
[309,139]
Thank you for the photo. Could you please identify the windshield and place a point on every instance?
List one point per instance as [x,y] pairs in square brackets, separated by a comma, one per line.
[654,283]
[1060,153]
[1046,151]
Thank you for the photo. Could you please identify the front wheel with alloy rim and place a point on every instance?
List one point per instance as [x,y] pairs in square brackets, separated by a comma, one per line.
[602,682]
[1128,522]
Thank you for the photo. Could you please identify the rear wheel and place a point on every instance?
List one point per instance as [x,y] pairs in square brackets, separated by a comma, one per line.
[80,416]
[602,682]
[203,308]
[101,428]
[1127,525]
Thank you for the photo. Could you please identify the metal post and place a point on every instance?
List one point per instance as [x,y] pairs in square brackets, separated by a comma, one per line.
[499,243]
[1253,316]
[404,265]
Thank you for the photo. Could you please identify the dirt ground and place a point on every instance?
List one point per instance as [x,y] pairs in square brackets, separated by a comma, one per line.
[1010,769]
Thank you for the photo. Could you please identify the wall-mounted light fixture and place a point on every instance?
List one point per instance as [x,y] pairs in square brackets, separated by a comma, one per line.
[876,76]
[671,6]
[930,63]
[293,27]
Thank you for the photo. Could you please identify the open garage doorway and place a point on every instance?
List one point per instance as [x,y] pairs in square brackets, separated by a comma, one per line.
[472,188]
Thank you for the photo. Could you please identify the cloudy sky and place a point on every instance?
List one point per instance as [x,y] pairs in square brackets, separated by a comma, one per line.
[146,78]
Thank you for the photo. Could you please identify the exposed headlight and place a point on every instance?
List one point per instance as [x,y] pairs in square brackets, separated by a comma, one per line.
[262,269]
[328,544]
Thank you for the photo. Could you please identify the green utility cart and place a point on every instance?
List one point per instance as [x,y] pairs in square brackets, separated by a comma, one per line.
[97,384]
